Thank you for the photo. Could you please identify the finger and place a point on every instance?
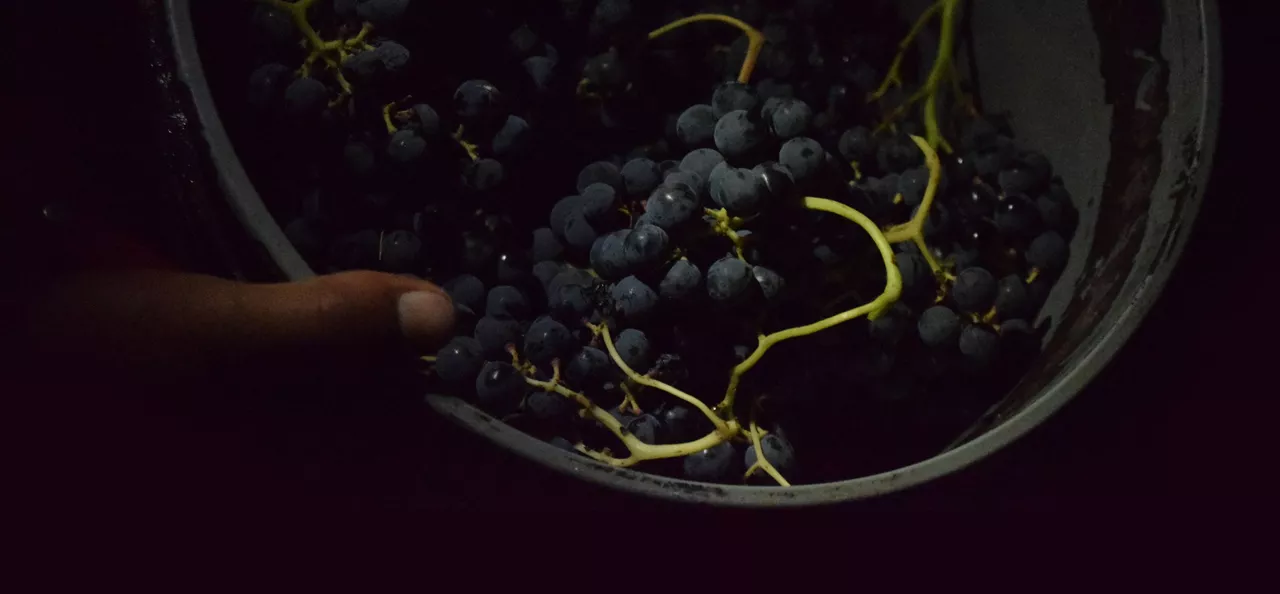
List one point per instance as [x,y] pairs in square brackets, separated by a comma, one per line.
[155,318]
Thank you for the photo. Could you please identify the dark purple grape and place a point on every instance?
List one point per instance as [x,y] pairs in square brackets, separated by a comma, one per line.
[856,145]
[730,280]
[696,126]
[712,464]
[646,428]
[777,451]
[681,282]
[803,157]
[974,291]
[771,283]
[1048,252]
[547,339]
[640,177]
[938,326]
[634,299]
[633,347]
[1018,217]
[507,302]
[733,96]
[788,118]
[494,334]
[459,361]
[1012,298]
[978,347]
[736,135]
[671,206]
[600,172]
[500,388]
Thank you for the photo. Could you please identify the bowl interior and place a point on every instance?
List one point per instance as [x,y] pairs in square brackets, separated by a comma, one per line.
[1122,96]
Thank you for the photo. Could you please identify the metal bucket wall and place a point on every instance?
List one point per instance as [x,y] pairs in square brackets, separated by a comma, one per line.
[1123,96]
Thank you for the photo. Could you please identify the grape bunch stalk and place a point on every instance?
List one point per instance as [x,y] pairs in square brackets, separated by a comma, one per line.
[629,321]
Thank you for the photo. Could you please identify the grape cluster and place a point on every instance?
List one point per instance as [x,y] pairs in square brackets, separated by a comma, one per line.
[632,203]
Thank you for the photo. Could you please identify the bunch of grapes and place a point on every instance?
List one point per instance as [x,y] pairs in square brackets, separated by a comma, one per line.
[689,235]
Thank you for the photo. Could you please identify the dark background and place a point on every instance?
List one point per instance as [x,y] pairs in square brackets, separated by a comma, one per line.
[1177,422]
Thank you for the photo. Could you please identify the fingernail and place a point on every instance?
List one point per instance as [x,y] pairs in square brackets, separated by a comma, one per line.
[426,317]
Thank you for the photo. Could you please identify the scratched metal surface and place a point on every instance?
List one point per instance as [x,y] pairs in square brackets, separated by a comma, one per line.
[1123,95]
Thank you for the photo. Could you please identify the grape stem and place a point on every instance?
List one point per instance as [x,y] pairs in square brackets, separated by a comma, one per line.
[873,310]
[727,226]
[942,67]
[472,149]
[332,52]
[761,461]
[386,118]
[913,230]
[639,450]
[721,426]
[755,39]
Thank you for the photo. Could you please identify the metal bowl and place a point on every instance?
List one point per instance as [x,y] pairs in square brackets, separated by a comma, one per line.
[1124,97]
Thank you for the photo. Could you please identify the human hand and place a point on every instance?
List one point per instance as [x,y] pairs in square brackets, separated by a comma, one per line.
[167,322]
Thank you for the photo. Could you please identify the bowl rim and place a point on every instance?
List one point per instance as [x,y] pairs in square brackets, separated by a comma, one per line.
[249,209]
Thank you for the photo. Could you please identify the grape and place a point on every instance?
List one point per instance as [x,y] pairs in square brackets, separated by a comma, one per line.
[484,175]
[777,451]
[305,98]
[512,270]
[267,85]
[609,256]
[479,102]
[547,270]
[1018,217]
[988,162]
[606,71]
[888,329]
[912,185]
[545,245]
[980,135]
[733,96]
[478,252]
[401,251]
[633,298]
[974,290]
[466,290]
[546,339]
[572,276]
[540,70]
[274,22]
[355,251]
[1056,210]
[701,162]
[668,166]
[646,246]
[1012,299]
[711,464]
[857,145]
[681,423]
[600,172]
[1017,336]
[803,157]
[776,180]
[392,56]
[729,280]
[1029,171]
[589,368]
[736,135]
[681,282]
[898,154]
[978,346]
[359,158]
[671,206]
[507,302]
[523,41]
[646,428]
[1048,252]
[405,147]
[978,202]
[578,232]
[382,13]
[697,125]
[788,118]
[548,406]
[459,361]
[770,88]
[771,283]
[740,191]
[917,278]
[938,326]
[686,179]
[494,334]
[633,347]
[640,177]
[560,212]
[571,303]
[500,388]
[513,138]
[938,221]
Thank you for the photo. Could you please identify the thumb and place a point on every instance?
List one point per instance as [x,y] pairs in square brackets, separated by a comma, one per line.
[167,319]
